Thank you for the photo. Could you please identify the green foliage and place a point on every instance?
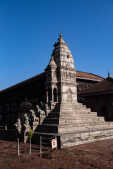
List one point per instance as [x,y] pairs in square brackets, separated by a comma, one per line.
[30,133]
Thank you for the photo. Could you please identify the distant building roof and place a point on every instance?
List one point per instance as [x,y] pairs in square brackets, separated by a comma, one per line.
[103,87]
[89,76]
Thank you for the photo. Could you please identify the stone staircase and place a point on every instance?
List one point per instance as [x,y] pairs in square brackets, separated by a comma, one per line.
[76,124]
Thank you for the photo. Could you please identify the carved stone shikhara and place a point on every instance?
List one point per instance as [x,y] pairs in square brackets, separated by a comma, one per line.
[61,74]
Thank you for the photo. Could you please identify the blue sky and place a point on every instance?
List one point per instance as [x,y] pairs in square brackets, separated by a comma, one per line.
[29,28]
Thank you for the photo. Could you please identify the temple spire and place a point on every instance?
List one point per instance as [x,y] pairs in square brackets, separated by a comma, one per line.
[60,38]
[60,35]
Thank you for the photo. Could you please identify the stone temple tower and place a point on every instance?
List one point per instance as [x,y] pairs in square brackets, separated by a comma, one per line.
[71,122]
[61,88]
[61,76]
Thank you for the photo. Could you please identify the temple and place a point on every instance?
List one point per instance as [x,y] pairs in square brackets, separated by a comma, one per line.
[74,109]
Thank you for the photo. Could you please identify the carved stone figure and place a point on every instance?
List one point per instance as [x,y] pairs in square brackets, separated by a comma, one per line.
[27,127]
[41,114]
[18,126]
[35,119]
[29,120]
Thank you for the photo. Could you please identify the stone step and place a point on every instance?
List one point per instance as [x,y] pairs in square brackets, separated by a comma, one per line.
[71,139]
[77,118]
[66,112]
[83,121]
[81,124]
[74,119]
[76,110]
[77,106]
[70,120]
[72,104]
[53,128]
[84,124]
[75,125]
[83,113]
[70,128]
[82,118]
[75,114]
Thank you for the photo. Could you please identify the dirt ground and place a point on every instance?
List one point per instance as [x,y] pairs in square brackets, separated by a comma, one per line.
[98,155]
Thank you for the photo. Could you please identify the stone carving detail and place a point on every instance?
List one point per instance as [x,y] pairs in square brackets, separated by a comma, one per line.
[66,75]
[42,114]
[35,119]
[29,120]
[18,125]
[27,127]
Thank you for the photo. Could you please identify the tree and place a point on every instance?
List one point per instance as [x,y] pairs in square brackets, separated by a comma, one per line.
[30,134]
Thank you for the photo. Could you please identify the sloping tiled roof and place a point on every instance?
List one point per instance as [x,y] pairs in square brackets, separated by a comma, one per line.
[25,82]
[89,76]
[105,86]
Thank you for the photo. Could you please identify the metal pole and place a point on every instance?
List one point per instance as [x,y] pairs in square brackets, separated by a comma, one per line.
[30,147]
[41,146]
[18,147]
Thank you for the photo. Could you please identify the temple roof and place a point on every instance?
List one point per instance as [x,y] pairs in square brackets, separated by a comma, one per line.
[88,76]
[103,87]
